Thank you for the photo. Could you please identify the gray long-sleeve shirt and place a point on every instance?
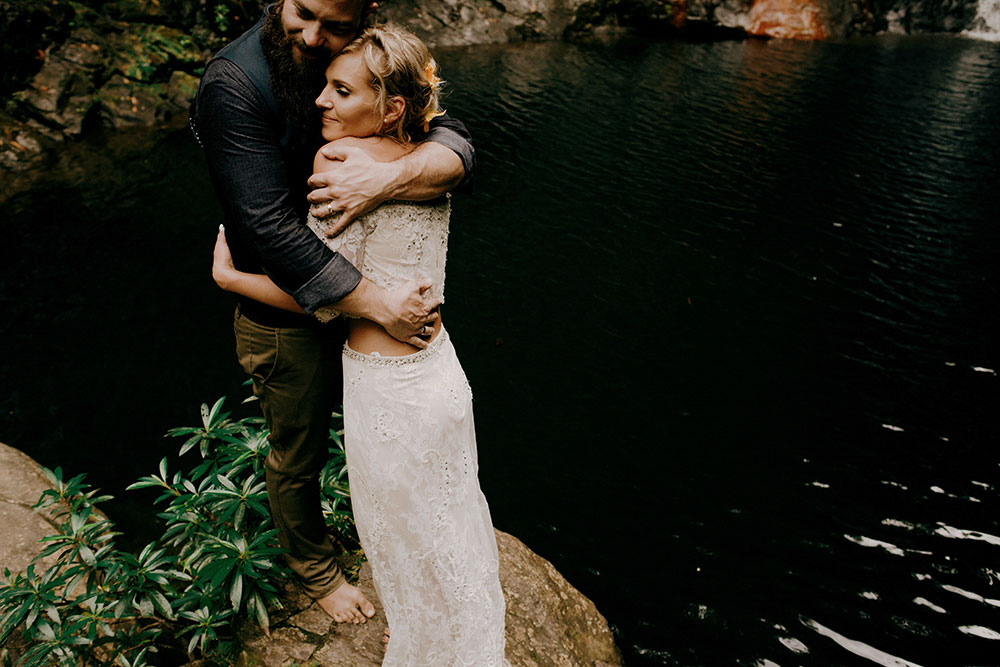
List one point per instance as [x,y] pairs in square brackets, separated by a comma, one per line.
[259,165]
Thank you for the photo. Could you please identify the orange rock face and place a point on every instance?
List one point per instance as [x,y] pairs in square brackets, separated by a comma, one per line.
[788,19]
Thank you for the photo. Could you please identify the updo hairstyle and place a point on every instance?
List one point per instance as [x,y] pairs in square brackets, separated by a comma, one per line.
[400,65]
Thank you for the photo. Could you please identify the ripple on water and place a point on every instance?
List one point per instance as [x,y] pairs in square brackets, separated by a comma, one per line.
[858,648]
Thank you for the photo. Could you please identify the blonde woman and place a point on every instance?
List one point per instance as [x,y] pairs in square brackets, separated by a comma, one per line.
[411,448]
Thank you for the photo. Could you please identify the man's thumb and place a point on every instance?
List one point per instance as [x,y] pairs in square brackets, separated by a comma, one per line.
[333,152]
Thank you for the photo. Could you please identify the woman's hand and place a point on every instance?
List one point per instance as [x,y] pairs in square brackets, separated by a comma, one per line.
[223,271]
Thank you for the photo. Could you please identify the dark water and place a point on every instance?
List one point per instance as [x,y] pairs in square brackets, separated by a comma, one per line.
[729,311]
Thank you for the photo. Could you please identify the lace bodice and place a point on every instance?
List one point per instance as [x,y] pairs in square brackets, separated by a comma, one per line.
[394,244]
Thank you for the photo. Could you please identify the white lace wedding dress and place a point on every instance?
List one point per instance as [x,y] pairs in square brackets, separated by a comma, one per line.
[411,459]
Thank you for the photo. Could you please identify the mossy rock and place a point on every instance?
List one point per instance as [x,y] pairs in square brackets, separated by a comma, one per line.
[181,88]
[148,52]
[126,103]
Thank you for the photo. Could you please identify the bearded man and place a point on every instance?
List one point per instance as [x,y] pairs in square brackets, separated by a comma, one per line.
[256,118]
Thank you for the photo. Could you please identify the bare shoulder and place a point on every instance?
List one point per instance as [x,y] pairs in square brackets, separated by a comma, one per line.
[380,149]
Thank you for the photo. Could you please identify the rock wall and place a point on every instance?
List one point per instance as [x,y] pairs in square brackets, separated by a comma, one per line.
[464,22]
[75,65]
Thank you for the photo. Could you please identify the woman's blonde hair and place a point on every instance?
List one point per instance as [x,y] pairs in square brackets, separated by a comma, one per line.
[400,65]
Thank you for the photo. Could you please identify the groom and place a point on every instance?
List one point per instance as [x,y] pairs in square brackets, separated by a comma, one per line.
[255,117]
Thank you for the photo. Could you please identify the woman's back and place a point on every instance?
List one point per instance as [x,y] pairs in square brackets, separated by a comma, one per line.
[396,243]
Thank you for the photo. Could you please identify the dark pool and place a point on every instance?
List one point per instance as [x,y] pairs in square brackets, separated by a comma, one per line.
[729,311]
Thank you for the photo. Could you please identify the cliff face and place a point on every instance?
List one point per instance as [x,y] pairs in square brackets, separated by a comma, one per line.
[74,68]
[75,65]
[462,22]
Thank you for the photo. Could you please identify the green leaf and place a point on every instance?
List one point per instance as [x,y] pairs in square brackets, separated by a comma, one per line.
[236,592]
[32,615]
[87,555]
[189,443]
[162,604]
[213,415]
[144,606]
[11,621]
[194,641]
[52,612]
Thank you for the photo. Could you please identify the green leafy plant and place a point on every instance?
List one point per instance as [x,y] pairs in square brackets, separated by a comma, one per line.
[216,559]
[222,17]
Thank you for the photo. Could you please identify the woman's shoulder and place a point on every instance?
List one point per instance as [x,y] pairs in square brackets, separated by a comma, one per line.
[380,149]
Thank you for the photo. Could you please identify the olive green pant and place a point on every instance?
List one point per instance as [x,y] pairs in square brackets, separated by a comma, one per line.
[297,376]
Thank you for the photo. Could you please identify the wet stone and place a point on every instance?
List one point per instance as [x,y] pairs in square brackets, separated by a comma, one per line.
[313,620]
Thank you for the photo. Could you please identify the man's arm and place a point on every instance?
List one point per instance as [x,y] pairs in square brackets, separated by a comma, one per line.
[403,312]
[357,184]
[251,179]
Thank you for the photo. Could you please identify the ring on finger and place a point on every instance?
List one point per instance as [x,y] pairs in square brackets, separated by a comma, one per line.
[329,208]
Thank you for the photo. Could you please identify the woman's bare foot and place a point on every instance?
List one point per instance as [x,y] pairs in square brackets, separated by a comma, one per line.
[347,605]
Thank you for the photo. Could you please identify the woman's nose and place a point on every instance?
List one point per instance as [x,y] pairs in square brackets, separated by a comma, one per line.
[323,101]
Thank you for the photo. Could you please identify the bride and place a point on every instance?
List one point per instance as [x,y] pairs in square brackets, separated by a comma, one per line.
[411,448]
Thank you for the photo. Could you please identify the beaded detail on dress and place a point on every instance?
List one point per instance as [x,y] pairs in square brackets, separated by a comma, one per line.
[377,359]
[392,245]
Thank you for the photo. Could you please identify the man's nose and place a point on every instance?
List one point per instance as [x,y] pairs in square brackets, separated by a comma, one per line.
[312,35]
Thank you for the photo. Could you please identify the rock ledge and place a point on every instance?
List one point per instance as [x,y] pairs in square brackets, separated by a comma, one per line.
[549,623]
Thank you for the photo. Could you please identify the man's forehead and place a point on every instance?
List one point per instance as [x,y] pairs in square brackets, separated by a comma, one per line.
[346,11]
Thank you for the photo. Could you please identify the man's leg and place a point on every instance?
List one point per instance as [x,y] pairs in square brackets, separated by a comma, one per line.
[297,377]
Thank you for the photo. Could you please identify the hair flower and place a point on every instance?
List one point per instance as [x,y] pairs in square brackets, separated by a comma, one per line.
[430,71]
[429,116]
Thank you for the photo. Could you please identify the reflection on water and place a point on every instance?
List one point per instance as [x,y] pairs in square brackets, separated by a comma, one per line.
[728,310]
[755,281]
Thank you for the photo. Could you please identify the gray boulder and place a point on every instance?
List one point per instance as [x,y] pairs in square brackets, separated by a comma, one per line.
[21,483]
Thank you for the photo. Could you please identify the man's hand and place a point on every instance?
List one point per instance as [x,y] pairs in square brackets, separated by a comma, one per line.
[411,313]
[354,184]
[408,313]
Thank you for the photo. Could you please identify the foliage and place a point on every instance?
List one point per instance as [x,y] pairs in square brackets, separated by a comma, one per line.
[216,558]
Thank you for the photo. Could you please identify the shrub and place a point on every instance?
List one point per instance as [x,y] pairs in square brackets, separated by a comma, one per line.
[216,558]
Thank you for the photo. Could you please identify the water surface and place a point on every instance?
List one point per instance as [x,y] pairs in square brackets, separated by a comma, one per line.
[728,310]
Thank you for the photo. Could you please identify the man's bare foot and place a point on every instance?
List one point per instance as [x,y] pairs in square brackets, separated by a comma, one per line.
[347,605]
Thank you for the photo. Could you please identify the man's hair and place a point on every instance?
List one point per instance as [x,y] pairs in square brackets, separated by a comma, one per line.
[400,65]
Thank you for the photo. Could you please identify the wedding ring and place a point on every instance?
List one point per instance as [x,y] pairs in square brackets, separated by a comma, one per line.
[329,208]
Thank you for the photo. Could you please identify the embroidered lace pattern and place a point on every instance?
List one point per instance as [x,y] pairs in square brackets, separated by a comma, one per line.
[392,245]
[423,521]
[411,452]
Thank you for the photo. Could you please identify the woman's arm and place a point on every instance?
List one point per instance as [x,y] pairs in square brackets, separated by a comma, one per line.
[256,286]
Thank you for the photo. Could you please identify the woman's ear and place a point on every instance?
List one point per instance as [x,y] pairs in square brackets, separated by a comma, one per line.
[394,108]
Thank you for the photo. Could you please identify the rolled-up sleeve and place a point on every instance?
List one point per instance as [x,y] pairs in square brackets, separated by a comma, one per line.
[252,181]
[451,133]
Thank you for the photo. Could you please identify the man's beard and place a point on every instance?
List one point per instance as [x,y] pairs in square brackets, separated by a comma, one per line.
[296,84]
